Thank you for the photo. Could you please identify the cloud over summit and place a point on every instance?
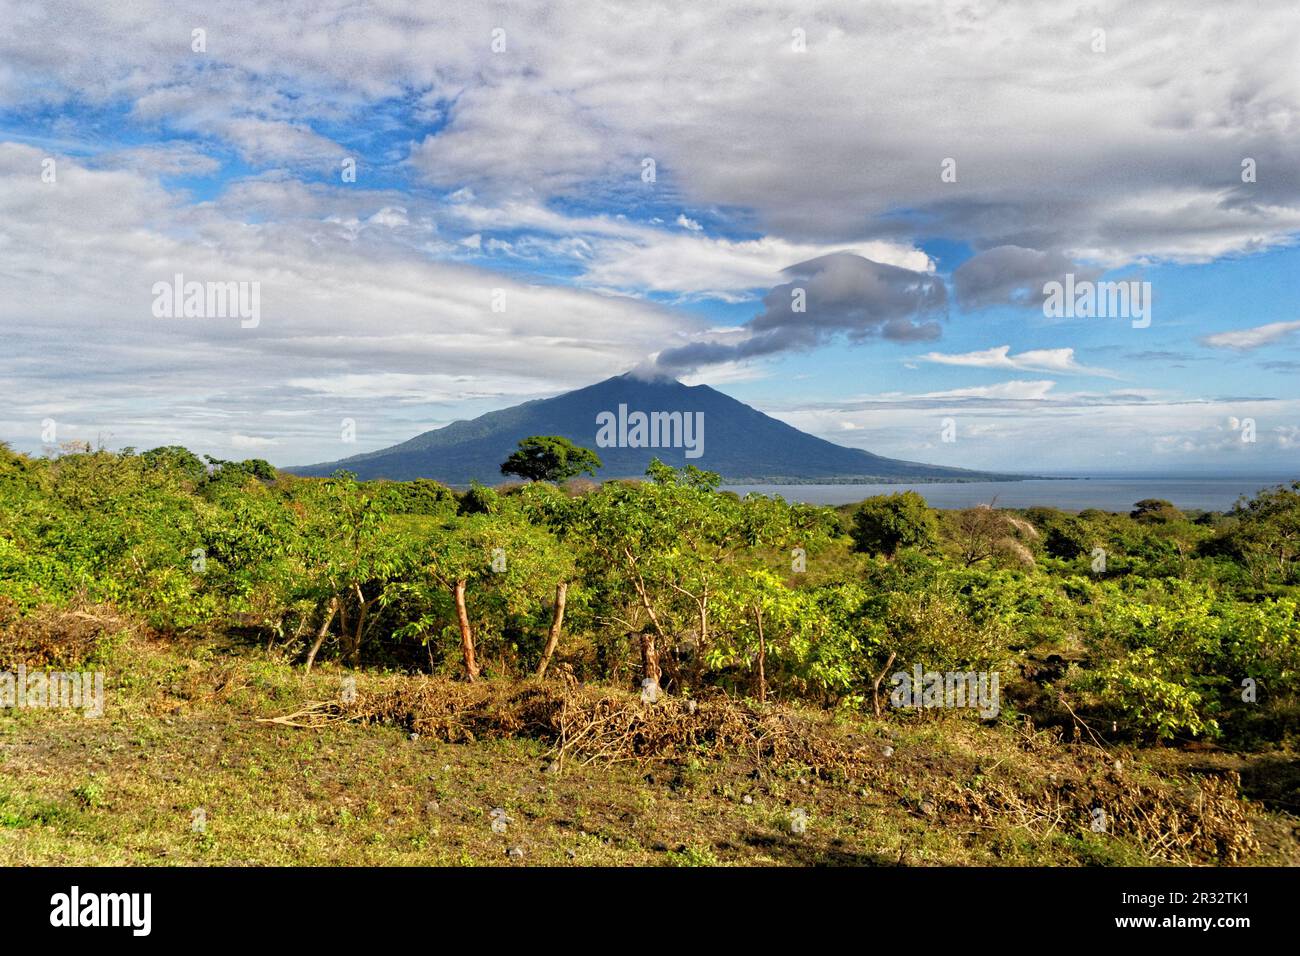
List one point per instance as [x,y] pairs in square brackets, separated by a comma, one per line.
[840,294]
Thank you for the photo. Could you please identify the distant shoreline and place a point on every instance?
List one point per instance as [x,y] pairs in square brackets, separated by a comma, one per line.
[1064,494]
[895,480]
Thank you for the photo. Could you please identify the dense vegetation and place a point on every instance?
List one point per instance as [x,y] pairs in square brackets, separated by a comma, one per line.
[1151,625]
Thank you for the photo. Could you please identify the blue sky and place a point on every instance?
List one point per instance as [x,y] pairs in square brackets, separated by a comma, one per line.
[501,156]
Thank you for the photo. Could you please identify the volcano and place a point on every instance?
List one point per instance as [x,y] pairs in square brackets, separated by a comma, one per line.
[629,420]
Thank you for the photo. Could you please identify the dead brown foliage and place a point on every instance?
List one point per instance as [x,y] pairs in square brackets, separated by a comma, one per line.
[54,637]
[1182,819]
[1175,818]
[591,724]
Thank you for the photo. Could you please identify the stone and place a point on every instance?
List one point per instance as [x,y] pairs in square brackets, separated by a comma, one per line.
[515,853]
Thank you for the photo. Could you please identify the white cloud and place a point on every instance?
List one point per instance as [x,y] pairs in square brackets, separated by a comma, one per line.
[275,142]
[1028,427]
[815,146]
[251,442]
[1017,391]
[616,253]
[353,316]
[721,268]
[1061,361]
[391,216]
[161,159]
[1245,339]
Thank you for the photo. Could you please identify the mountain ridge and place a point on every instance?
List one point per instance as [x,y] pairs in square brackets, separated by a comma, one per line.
[739,442]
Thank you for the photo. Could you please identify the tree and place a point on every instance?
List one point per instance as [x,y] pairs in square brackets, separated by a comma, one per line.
[1264,534]
[247,555]
[662,554]
[1155,511]
[1067,538]
[984,532]
[506,565]
[348,553]
[419,496]
[885,523]
[550,458]
[478,500]
[548,507]
[177,458]
[754,604]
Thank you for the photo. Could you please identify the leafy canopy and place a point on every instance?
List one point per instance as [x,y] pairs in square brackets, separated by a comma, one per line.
[550,458]
[886,523]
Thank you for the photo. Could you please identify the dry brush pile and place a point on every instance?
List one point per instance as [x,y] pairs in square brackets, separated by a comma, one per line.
[57,637]
[1200,819]
[591,724]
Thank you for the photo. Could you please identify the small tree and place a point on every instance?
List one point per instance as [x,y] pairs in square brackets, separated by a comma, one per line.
[347,552]
[985,532]
[1155,511]
[178,458]
[550,458]
[1264,535]
[504,565]
[885,523]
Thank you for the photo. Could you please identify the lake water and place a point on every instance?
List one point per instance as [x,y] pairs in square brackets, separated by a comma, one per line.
[1068,494]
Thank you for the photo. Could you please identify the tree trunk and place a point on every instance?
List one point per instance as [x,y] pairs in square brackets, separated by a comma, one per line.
[704,637]
[875,687]
[361,623]
[345,630]
[762,657]
[557,622]
[324,629]
[650,657]
[466,635]
[639,583]
[704,620]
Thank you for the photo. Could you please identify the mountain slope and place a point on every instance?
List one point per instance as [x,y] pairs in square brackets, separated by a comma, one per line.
[739,442]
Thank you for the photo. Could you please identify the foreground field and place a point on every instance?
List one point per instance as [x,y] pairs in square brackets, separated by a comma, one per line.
[182,769]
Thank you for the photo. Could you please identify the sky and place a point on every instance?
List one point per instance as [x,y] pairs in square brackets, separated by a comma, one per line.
[843,214]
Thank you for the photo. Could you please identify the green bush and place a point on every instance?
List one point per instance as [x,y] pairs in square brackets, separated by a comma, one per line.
[886,523]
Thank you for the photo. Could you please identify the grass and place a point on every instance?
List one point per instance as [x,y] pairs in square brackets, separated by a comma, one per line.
[180,772]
